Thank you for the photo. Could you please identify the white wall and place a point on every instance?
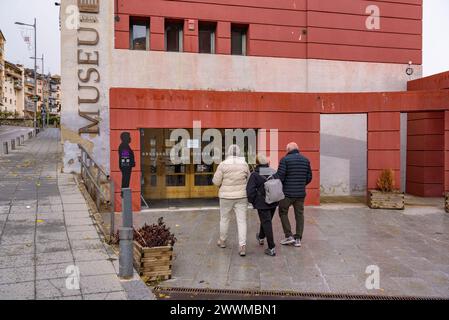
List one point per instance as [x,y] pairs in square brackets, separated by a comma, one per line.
[343,155]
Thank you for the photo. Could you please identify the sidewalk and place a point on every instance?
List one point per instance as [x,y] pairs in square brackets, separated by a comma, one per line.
[45,229]
[411,249]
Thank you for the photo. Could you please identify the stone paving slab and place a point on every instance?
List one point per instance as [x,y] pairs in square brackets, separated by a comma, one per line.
[411,249]
[46,230]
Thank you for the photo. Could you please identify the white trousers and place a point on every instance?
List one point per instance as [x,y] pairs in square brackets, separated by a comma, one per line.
[240,207]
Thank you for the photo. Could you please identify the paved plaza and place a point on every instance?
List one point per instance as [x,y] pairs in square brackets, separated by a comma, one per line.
[411,249]
[46,229]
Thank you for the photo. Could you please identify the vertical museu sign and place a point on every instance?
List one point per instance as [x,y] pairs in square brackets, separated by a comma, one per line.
[88,66]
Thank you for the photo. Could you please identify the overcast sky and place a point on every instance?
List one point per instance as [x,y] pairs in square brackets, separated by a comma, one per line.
[435,42]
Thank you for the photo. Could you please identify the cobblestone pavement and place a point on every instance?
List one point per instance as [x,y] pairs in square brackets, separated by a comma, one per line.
[45,228]
[411,249]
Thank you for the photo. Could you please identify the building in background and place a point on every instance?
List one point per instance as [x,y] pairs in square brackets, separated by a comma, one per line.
[319,72]
[14,95]
[2,68]
[55,95]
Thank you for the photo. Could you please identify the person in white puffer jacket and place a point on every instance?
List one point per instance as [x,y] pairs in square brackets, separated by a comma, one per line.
[231,177]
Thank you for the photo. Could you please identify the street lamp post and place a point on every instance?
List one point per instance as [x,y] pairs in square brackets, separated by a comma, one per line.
[35,69]
[44,84]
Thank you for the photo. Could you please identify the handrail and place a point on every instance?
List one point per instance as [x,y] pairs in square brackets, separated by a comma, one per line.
[89,168]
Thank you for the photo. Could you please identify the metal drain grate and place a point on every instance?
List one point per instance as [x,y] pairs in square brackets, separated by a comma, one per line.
[282,294]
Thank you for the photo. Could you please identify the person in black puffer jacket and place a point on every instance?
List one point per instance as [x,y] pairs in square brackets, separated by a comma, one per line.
[295,173]
[256,196]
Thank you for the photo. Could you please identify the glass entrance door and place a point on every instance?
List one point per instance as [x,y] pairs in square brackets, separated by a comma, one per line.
[161,179]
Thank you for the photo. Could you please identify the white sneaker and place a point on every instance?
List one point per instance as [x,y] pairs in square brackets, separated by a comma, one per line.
[221,244]
[287,241]
[297,243]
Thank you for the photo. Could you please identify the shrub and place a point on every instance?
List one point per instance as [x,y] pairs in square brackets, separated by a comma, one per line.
[155,235]
[385,182]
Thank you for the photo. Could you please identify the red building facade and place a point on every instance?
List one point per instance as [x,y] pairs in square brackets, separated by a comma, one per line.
[306,30]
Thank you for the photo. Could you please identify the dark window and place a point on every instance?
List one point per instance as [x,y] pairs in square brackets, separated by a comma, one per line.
[207,37]
[140,34]
[173,36]
[238,40]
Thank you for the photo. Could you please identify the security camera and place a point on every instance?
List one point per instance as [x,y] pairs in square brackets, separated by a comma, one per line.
[409,71]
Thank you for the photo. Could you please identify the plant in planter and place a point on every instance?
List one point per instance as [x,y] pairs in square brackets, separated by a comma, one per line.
[153,251]
[386,196]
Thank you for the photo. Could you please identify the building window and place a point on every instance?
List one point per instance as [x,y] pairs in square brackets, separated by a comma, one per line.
[140,34]
[173,36]
[238,40]
[206,37]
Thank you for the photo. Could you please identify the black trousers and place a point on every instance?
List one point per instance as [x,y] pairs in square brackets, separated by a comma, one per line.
[266,225]
[126,177]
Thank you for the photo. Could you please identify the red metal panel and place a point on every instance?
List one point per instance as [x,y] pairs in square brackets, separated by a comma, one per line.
[388,140]
[278,49]
[434,82]
[425,127]
[277,33]
[384,121]
[358,7]
[307,141]
[191,44]
[368,54]
[313,197]
[425,159]
[280,102]
[272,4]
[426,175]
[223,46]
[121,40]
[223,29]
[157,42]
[384,159]
[364,38]
[213,12]
[357,22]
[425,143]
[157,25]
[123,23]
[425,115]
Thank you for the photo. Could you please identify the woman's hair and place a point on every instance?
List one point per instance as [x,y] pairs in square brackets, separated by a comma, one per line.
[234,150]
[262,159]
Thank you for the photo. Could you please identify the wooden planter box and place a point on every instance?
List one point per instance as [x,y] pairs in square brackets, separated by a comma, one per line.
[447,202]
[154,263]
[385,200]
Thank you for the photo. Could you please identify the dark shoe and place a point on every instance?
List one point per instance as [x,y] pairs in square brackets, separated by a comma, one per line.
[270,252]
[261,241]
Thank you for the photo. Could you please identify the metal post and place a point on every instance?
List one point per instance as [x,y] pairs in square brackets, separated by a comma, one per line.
[35,77]
[13,144]
[5,147]
[22,137]
[112,199]
[126,237]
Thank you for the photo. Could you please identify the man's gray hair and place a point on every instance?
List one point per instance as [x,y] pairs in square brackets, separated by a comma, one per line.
[234,150]
[292,146]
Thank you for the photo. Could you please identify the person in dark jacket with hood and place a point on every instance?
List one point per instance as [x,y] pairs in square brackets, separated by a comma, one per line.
[295,173]
[126,159]
[256,196]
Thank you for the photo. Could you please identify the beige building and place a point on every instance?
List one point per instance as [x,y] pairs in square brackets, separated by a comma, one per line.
[2,67]
[14,99]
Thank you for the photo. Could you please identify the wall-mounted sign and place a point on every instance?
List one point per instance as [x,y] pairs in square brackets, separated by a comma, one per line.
[89,6]
[88,68]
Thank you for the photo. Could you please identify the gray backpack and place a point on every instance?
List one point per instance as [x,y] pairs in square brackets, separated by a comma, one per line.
[273,190]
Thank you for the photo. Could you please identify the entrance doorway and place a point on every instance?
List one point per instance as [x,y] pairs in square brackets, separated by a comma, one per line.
[161,179]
